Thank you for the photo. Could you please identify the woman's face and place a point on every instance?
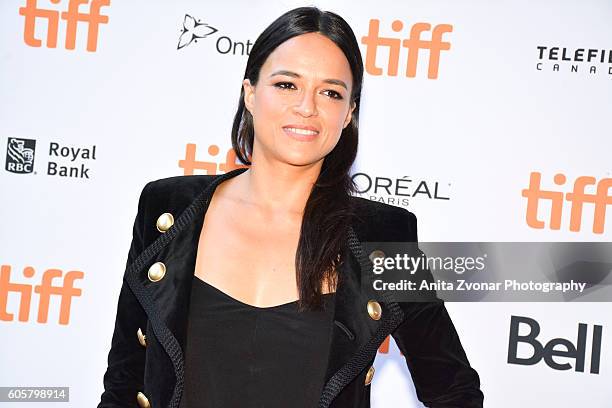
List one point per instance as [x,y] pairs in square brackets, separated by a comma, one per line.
[301,102]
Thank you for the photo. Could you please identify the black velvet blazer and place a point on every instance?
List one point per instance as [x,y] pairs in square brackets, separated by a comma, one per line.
[148,370]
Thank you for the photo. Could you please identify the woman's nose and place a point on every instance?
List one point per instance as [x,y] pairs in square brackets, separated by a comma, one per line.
[306,105]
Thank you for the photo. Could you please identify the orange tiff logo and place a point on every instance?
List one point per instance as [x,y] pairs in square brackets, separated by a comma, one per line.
[414,43]
[601,199]
[65,290]
[189,163]
[92,18]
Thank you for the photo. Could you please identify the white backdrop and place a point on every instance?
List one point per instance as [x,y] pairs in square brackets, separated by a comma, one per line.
[495,113]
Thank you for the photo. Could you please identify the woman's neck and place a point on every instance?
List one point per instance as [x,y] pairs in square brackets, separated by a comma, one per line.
[279,188]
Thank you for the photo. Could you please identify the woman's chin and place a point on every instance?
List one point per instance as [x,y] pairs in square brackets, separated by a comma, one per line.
[300,159]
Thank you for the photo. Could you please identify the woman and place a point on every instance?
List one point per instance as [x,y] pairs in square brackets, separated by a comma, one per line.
[251,296]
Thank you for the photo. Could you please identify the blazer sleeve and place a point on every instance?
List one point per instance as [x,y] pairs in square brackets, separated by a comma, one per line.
[439,367]
[124,376]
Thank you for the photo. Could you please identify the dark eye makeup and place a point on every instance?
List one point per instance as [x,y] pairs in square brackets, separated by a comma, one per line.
[283,85]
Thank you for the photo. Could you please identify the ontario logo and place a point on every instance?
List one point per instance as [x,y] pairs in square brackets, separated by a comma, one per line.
[194,29]
[20,155]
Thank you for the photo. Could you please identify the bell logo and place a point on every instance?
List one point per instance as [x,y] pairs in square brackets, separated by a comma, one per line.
[73,16]
[414,43]
[555,347]
[601,199]
[189,163]
[65,290]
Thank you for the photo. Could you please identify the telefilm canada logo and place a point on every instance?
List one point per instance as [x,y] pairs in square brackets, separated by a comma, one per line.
[194,29]
[63,160]
[592,61]
[399,190]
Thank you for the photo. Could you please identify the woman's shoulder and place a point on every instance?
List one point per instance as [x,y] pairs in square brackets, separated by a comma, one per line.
[376,209]
[174,192]
[177,185]
[163,200]
[378,221]
[171,194]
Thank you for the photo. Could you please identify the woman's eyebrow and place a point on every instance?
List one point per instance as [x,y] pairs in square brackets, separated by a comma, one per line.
[296,75]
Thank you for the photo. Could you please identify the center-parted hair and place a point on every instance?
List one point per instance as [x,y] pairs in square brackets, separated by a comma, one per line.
[328,212]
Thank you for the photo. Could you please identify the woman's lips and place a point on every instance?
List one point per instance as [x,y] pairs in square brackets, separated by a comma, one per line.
[300,134]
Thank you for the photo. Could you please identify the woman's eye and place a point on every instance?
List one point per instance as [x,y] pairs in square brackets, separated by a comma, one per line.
[334,94]
[283,85]
[289,85]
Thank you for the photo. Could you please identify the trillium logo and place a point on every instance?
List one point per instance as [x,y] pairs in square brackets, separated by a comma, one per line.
[192,30]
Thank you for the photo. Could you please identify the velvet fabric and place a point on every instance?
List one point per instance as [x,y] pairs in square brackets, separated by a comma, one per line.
[423,331]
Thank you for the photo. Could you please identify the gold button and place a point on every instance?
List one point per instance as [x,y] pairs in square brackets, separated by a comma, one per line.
[377,253]
[164,222]
[157,271]
[142,339]
[369,375]
[143,401]
[374,309]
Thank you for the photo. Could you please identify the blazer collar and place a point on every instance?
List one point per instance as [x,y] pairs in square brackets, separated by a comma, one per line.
[354,333]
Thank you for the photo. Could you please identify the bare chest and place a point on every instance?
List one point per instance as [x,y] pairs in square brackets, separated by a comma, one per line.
[247,257]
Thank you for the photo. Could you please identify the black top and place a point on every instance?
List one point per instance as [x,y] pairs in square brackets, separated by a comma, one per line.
[239,355]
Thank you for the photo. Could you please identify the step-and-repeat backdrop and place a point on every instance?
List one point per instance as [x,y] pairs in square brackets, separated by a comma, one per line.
[484,107]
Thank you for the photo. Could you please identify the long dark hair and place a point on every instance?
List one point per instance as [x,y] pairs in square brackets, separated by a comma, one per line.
[328,211]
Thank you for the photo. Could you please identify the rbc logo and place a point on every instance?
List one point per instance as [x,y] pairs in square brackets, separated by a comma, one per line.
[559,347]
[20,155]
